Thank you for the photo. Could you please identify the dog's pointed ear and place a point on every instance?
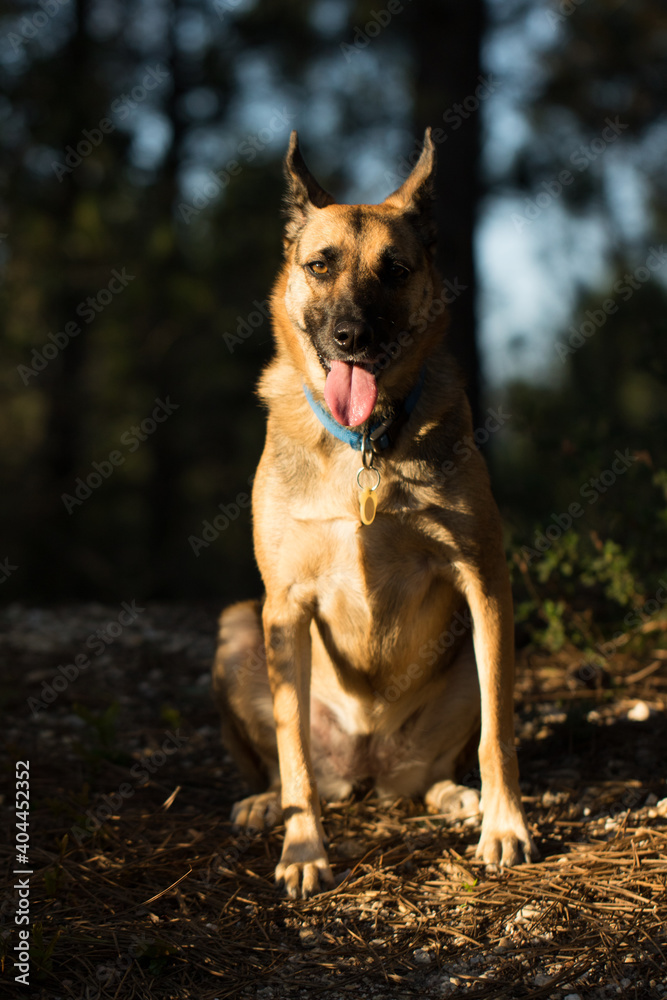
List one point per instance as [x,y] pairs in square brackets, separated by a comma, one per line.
[416,195]
[303,193]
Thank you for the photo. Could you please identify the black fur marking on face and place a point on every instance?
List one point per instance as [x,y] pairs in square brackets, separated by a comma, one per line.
[394,267]
[394,255]
[356,220]
[330,255]
[315,319]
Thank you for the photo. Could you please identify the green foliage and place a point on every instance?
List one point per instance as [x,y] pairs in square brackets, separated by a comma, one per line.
[101,735]
[611,570]
[171,717]
[580,477]
[59,807]
[660,481]
[101,724]
[553,636]
[578,591]
[154,955]
[53,881]
[41,951]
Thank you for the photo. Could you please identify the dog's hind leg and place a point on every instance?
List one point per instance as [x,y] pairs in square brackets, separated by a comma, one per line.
[243,696]
[459,720]
[432,754]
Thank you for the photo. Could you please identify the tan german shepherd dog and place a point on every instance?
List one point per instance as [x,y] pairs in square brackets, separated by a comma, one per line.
[388,609]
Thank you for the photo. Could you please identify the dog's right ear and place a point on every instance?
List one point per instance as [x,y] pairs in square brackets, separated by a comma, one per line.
[303,193]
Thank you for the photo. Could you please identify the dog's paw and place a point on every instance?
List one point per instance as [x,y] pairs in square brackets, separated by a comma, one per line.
[258,812]
[505,839]
[304,872]
[454,802]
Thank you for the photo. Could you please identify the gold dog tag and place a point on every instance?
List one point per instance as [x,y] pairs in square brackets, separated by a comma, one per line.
[367,506]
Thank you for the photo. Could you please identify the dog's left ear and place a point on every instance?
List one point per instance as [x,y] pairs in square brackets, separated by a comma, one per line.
[303,192]
[416,194]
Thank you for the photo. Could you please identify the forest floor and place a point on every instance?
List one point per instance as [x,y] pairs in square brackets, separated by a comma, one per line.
[140,887]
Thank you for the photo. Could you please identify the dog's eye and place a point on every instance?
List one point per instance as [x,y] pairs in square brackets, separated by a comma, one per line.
[318,267]
[397,270]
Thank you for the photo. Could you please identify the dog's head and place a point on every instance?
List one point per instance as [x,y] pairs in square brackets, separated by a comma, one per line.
[358,287]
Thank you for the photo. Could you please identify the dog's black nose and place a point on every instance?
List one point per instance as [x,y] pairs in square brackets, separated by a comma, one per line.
[352,335]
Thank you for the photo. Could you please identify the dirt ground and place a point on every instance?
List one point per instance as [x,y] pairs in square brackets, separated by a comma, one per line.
[139,886]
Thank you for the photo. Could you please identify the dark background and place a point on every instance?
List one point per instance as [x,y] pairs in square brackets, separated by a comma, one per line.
[516,89]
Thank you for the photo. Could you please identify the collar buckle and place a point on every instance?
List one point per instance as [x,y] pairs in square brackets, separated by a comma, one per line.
[367,451]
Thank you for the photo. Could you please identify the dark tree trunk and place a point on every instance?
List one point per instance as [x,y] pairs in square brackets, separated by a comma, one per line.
[55,540]
[164,494]
[447,39]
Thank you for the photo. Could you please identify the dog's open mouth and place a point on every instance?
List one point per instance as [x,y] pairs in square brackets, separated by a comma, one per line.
[350,391]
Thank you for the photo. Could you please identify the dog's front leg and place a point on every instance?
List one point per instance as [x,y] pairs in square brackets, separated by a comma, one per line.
[303,863]
[505,837]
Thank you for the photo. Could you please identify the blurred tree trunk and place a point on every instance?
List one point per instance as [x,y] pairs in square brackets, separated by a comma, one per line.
[55,538]
[164,495]
[447,36]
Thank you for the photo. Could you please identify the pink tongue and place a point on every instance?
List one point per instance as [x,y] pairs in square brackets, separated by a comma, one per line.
[350,392]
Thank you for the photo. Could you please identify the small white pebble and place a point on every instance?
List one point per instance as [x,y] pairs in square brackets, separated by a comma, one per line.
[74,721]
[639,712]
[526,914]
[504,944]
[552,798]
[421,956]
[309,938]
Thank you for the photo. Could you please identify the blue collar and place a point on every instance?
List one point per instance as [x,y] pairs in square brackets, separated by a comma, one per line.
[381,436]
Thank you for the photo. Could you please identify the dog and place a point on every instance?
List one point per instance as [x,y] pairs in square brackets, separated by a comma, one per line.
[383,648]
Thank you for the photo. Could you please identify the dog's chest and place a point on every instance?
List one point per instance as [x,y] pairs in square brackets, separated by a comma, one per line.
[385,591]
